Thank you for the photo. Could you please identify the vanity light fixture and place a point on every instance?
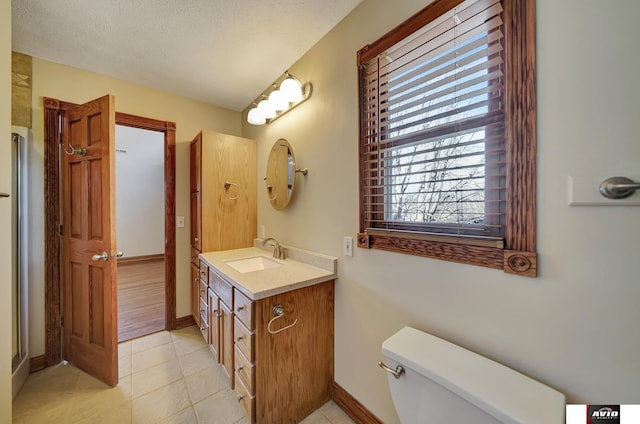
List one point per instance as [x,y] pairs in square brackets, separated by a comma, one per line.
[282,96]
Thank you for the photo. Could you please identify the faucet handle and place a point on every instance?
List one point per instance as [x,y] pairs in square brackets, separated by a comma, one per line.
[283,253]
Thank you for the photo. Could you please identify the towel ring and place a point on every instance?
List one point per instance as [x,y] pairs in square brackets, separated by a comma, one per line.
[278,311]
[227,185]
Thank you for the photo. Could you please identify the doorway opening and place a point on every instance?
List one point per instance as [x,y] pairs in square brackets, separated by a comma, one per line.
[140,231]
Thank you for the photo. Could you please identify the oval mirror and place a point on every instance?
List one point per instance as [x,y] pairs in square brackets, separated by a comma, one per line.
[281,171]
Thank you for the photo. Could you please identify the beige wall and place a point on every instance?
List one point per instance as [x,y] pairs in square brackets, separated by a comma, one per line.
[6,255]
[575,327]
[74,85]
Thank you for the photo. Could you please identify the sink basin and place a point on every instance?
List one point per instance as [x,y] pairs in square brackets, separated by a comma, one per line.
[254,263]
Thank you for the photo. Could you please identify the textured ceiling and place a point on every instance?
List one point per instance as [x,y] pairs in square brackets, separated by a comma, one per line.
[223,52]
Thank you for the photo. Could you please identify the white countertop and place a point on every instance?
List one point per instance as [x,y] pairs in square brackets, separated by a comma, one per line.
[300,269]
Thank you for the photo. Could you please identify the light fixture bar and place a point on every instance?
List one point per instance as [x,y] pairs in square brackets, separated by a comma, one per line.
[282,96]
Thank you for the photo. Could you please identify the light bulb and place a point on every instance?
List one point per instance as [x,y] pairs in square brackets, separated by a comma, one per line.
[254,117]
[278,100]
[266,109]
[292,89]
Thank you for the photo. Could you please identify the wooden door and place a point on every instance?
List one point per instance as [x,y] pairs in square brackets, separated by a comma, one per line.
[214,325]
[196,221]
[196,196]
[89,239]
[195,286]
[226,340]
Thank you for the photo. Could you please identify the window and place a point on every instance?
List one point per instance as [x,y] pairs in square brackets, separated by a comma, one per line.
[447,135]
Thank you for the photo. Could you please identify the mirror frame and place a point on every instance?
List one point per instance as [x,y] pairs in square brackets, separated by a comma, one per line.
[277,175]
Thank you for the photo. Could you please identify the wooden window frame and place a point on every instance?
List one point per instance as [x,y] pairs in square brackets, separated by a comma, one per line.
[517,254]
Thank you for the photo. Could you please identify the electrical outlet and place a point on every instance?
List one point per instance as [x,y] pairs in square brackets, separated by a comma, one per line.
[180,221]
[348,246]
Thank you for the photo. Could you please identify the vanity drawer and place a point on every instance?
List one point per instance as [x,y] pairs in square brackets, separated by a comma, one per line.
[204,272]
[244,309]
[203,291]
[223,289]
[194,256]
[243,339]
[204,309]
[245,399]
[245,370]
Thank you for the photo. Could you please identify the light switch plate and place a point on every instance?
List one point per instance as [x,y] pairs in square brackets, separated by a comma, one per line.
[180,221]
[348,246]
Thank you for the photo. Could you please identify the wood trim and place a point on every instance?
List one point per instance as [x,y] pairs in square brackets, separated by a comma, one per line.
[52,292]
[354,409]
[170,223]
[141,259]
[520,129]
[141,122]
[53,309]
[520,263]
[489,257]
[37,363]
[184,322]
[417,21]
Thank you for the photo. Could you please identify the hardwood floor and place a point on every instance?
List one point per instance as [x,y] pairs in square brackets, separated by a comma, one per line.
[141,299]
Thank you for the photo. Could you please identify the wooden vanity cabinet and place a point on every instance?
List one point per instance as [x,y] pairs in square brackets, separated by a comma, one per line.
[223,201]
[284,377]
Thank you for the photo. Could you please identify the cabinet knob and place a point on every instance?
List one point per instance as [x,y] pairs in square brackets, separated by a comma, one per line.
[196,239]
[240,308]
[240,397]
[239,368]
[239,338]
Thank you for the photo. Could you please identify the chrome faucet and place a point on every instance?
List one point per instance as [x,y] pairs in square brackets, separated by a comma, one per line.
[278,252]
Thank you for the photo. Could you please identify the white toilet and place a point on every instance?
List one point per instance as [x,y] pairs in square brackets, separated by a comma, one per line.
[445,383]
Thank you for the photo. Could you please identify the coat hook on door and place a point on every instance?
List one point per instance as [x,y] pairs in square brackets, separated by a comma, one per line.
[73,150]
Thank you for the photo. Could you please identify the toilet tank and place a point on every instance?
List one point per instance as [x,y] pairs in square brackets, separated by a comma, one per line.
[445,383]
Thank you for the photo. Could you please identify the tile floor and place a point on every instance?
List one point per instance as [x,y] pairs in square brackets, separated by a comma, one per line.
[165,378]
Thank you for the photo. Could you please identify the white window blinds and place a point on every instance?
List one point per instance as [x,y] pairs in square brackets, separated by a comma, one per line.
[432,151]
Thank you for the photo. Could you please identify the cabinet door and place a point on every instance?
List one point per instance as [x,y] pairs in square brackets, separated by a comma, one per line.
[196,221]
[226,341]
[195,294]
[196,163]
[214,325]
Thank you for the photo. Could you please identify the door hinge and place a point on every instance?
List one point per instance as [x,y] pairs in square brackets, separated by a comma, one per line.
[59,138]
[59,229]
[61,321]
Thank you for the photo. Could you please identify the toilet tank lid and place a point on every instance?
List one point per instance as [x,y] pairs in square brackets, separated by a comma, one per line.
[501,392]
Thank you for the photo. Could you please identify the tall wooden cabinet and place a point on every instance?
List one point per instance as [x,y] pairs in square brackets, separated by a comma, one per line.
[223,204]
